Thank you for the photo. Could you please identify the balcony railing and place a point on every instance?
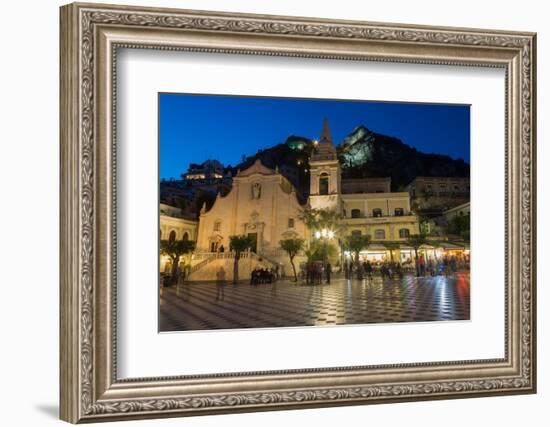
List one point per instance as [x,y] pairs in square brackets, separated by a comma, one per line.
[364,216]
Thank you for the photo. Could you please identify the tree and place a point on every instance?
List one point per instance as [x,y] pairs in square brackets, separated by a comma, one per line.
[391,246]
[292,247]
[322,250]
[355,244]
[323,221]
[175,249]
[415,241]
[238,244]
[319,219]
[460,225]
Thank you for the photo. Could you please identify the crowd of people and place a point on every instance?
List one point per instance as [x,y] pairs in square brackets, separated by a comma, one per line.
[175,277]
[263,275]
[424,266]
[367,269]
[316,272]
[446,265]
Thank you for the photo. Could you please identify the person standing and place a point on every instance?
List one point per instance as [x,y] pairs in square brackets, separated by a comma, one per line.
[422,265]
[368,269]
[328,271]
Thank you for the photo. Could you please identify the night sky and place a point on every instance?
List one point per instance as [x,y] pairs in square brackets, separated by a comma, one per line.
[194,128]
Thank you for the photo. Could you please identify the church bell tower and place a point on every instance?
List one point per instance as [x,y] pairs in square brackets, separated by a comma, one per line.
[324,173]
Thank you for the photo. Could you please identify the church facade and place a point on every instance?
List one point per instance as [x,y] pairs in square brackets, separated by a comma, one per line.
[262,205]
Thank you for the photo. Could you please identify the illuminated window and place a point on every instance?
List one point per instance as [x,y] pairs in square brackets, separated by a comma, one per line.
[379,234]
[323,184]
[404,233]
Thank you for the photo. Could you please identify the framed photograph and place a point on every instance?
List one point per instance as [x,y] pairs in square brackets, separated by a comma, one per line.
[265,213]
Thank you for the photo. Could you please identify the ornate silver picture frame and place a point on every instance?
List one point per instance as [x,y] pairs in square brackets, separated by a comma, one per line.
[90,387]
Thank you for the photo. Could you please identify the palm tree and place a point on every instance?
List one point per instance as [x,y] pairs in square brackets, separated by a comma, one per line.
[175,249]
[416,240]
[355,244]
[238,244]
[391,246]
[292,247]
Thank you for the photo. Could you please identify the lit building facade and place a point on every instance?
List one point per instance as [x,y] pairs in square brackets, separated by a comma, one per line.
[367,206]
[208,170]
[263,205]
[173,226]
[439,186]
[435,194]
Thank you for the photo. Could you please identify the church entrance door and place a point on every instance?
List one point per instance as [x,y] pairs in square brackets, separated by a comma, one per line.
[254,238]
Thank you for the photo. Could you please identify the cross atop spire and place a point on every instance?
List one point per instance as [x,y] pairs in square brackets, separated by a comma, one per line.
[326,135]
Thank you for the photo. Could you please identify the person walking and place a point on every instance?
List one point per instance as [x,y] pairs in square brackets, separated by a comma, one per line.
[220,284]
[368,269]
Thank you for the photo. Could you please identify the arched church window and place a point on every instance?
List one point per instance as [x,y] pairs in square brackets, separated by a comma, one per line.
[172,236]
[323,184]
[185,237]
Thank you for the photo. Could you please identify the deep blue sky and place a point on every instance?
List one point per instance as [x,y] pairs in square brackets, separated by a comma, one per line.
[194,128]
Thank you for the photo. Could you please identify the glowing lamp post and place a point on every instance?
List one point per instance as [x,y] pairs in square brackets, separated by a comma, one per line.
[324,234]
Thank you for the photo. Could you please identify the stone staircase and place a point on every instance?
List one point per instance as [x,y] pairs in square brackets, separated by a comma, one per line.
[204,269]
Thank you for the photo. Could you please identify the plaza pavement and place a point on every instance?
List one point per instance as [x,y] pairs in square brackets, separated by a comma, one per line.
[202,306]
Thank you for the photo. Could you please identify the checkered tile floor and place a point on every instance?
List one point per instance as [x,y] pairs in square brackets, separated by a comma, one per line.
[205,306]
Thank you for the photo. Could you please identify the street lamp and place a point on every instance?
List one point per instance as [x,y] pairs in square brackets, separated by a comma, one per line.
[324,233]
